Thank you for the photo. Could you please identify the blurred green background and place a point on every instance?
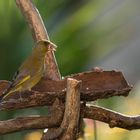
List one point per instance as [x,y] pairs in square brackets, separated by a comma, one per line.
[88,33]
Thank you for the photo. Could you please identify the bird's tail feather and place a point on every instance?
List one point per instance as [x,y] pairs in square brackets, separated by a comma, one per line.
[5,93]
[1,97]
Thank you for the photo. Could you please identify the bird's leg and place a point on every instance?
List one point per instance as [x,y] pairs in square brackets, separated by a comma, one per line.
[35,93]
[20,97]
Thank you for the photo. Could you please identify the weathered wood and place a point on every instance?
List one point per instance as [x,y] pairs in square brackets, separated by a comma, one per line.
[114,119]
[95,85]
[69,125]
[72,110]
[34,121]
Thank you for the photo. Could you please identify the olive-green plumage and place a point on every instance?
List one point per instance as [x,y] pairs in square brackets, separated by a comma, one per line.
[31,71]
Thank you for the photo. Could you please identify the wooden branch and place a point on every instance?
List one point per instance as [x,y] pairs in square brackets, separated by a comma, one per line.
[25,123]
[114,119]
[95,85]
[33,19]
[39,32]
[34,98]
[33,122]
[55,131]
[110,117]
[72,110]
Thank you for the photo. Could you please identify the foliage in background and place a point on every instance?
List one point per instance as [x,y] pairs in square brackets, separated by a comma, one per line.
[87,32]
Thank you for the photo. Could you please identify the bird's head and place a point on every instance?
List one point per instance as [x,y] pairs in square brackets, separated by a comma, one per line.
[46,45]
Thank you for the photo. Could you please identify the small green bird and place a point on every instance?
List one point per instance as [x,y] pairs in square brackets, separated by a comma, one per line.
[32,69]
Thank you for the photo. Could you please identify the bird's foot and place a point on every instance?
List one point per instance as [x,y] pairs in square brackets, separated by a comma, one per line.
[8,101]
[20,97]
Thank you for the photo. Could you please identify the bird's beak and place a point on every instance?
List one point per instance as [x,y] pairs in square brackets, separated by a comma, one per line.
[51,48]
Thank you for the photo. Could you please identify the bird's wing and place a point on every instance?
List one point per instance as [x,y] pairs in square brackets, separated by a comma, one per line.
[25,71]
[30,67]
[20,78]
[24,74]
